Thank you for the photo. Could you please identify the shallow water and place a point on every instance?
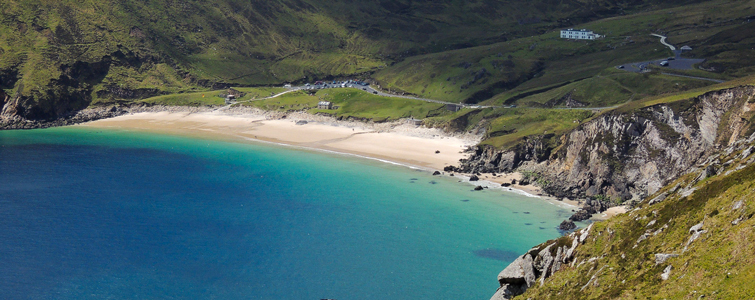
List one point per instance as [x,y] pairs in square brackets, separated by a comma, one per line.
[93,214]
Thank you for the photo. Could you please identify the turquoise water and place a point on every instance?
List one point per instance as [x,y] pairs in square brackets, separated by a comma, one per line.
[93,214]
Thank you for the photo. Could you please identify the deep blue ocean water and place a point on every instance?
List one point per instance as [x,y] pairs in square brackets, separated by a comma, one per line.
[93,214]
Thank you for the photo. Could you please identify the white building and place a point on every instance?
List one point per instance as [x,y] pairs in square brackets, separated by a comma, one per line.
[579,34]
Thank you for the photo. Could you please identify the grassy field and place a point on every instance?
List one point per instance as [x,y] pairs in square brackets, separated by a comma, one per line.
[508,72]
[353,103]
[211,98]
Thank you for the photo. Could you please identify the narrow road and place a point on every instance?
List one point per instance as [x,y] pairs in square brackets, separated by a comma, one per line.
[663,41]
[369,89]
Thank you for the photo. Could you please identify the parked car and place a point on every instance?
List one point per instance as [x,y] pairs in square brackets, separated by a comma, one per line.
[664,63]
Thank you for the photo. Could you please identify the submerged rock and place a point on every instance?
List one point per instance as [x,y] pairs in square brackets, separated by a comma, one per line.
[478,188]
[436,173]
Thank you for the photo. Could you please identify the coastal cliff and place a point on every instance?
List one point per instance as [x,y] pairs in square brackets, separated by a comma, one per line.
[692,239]
[627,153]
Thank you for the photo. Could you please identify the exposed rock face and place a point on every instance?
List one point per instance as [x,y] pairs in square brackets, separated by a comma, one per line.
[537,264]
[627,155]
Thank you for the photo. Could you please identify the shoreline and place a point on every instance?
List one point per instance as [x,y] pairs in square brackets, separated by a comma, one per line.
[394,142]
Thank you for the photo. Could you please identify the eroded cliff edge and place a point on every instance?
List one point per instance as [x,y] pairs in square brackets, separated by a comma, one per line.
[628,153]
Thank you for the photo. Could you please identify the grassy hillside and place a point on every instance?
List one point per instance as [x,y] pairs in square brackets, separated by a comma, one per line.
[353,103]
[618,260]
[60,56]
[509,72]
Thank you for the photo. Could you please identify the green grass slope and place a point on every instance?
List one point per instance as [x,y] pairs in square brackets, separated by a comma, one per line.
[60,56]
[617,263]
[353,104]
[509,72]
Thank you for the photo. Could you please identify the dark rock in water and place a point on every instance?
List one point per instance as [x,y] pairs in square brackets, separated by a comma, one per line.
[567,225]
[465,200]
[541,228]
[505,184]
[478,188]
[496,254]
[528,224]
[516,212]
[433,182]
[412,178]
[526,213]
[301,122]
[474,178]
[436,173]
[452,175]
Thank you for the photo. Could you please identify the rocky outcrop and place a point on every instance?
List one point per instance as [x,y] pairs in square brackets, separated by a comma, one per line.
[567,225]
[591,207]
[538,264]
[624,155]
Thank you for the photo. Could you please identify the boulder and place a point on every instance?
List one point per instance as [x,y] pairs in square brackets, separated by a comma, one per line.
[436,173]
[663,257]
[505,184]
[519,272]
[508,291]
[478,188]
[567,225]
[474,178]
[666,273]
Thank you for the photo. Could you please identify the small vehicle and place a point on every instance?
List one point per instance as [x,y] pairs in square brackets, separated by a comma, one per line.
[374,92]
[621,67]
[664,63]
[671,58]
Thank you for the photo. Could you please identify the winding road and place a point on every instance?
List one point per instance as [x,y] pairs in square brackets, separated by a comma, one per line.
[663,41]
[369,89]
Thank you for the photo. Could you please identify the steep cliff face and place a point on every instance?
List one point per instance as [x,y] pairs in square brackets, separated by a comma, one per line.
[628,155]
[692,239]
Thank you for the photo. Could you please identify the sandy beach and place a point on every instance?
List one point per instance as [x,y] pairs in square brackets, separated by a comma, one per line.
[395,142]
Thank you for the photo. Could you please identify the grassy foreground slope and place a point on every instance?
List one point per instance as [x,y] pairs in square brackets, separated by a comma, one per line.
[703,220]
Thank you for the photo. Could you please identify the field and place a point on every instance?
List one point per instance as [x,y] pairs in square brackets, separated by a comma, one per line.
[353,104]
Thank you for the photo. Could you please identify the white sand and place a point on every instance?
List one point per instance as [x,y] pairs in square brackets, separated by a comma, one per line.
[412,146]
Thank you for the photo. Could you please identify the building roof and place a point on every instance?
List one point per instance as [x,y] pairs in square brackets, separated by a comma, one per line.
[323,103]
